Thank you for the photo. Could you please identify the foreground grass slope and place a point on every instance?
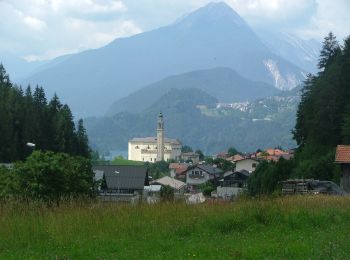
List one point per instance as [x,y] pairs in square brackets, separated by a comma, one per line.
[292,227]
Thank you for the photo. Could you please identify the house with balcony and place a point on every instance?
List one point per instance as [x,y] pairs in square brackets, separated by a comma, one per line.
[200,174]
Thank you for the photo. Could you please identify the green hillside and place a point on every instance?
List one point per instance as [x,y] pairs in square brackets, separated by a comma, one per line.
[224,84]
[191,115]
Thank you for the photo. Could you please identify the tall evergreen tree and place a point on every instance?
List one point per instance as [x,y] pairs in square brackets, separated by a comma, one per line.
[329,50]
[82,140]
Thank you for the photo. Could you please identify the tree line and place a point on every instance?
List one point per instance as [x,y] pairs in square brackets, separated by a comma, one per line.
[27,117]
[322,122]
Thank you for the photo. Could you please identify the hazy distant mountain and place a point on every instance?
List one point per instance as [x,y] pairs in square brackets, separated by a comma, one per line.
[212,36]
[17,67]
[222,83]
[303,53]
[192,116]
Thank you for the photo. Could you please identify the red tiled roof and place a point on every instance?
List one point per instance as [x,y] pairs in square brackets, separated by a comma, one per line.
[343,154]
[178,167]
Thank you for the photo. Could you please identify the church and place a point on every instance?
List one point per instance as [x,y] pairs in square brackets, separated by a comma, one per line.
[153,149]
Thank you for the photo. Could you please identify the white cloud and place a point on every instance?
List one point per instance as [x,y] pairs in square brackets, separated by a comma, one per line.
[45,29]
[40,29]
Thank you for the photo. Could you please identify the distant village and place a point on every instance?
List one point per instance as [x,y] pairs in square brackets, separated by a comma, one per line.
[189,176]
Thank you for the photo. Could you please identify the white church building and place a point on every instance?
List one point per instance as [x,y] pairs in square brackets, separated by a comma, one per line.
[152,149]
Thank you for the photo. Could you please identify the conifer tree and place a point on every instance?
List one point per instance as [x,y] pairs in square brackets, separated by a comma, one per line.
[329,50]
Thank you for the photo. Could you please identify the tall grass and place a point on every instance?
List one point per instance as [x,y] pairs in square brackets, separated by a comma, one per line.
[291,227]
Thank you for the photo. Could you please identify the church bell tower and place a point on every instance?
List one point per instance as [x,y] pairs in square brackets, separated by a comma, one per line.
[160,138]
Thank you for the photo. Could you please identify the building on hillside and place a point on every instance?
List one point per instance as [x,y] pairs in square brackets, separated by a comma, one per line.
[190,156]
[233,183]
[152,149]
[342,157]
[202,173]
[178,170]
[235,158]
[247,164]
[122,182]
[274,154]
[177,186]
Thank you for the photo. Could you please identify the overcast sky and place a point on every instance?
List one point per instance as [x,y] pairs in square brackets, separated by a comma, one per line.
[44,29]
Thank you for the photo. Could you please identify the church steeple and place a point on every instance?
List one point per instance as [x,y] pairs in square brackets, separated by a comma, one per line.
[160,138]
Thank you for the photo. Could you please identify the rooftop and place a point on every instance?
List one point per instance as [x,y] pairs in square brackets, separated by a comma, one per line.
[154,140]
[173,183]
[343,154]
[123,177]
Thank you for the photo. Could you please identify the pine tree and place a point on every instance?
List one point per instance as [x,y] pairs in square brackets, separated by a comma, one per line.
[329,51]
[82,140]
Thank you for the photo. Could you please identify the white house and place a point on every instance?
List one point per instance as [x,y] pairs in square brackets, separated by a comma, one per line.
[201,173]
[247,164]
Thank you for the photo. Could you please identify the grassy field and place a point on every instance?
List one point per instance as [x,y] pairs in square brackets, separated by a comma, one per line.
[293,227]
[124,162]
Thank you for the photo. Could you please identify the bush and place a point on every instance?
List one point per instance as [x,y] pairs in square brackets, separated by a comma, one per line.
[167,193]
[48,177]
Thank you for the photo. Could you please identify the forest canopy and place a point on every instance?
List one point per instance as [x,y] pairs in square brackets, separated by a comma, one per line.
[27,117]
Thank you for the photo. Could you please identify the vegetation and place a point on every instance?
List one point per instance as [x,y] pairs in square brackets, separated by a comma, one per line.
[119,160]
[48,177]
[166,193]
[26,116]
[223,164]
[323,122]
[207,188]
[158,169]
[284,228]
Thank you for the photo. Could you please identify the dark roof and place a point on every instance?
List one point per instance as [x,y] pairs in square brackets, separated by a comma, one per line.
[343,154]
[241,173]
[210,169]
[124,177]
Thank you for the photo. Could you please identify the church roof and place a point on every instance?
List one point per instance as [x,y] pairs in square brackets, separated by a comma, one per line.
[154,140]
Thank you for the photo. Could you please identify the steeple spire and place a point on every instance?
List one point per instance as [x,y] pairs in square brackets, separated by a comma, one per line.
[160,138]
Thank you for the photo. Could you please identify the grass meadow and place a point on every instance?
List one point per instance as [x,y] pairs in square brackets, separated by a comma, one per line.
[315,227]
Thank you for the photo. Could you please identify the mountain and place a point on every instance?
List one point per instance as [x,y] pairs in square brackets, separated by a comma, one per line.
[303,53]
[17,67]
[194,117]
[212,36]
[222,83]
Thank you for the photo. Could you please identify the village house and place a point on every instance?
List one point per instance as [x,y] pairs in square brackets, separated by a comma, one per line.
[190,156]
[122,182]
[153,149]
[178,170]
[233,183]
[274,154]
[202,173]
[235,158]
[342,157]
[248,164]
[177,186]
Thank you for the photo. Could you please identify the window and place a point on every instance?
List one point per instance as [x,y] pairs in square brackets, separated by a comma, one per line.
[137,147]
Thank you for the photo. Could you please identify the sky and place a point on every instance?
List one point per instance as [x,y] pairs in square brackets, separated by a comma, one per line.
[45,29]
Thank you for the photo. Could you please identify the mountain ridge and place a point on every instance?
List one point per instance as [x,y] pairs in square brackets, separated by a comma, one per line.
[109,73]
[222,83]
